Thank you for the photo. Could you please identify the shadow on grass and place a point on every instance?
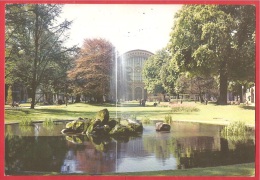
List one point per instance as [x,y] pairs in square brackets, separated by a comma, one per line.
[102,104]
[118,105]
[248,107]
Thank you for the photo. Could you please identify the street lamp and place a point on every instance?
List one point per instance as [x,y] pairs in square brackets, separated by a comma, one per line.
[242,95]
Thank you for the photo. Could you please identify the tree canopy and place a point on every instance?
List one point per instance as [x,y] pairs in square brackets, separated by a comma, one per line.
[158,76]
[92,73]
[209,40]
[34,45]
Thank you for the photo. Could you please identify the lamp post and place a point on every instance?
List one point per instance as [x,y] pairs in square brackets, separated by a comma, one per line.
[242,101]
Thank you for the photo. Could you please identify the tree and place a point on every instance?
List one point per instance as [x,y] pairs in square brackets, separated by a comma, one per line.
[91,75]
[151,73]
[196,85]
[204,41]
[34,43]
[157,73]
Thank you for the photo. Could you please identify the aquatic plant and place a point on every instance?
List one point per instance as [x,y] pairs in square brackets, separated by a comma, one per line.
[146,120]
[236,132]
[168,119]
[26,122]
[48,122]
[235,128]
[133,117]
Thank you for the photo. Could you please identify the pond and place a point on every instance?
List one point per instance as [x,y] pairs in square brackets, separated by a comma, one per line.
[43,149]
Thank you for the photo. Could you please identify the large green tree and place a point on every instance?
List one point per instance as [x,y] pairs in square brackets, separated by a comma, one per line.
[34,44]
[92,73]
[208,40]
[158,76]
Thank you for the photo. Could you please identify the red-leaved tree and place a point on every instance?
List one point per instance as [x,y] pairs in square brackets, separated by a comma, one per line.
[92,72]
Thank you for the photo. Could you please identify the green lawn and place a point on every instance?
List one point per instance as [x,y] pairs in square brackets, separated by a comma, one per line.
[241,170]
[232,170]
[210,113]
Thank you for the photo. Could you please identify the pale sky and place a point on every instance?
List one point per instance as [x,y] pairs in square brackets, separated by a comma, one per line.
[127,27]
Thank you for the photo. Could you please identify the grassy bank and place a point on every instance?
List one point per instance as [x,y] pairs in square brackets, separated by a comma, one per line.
[210,113]
[244,170]
[233,170]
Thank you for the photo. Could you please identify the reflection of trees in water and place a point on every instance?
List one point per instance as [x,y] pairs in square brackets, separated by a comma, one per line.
[201,151]
[93,155]
[162,148]
[43,154]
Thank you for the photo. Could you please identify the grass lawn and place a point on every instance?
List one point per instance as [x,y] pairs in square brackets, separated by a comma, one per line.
[233,170]
[211,113]
[241,170]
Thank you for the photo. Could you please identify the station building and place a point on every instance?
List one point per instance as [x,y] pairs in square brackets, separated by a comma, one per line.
[131,79]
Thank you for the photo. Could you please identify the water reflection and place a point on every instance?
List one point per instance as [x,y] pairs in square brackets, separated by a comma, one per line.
[39,149]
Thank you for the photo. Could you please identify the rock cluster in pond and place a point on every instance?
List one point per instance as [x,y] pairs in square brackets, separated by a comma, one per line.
[102,125]
[160,126]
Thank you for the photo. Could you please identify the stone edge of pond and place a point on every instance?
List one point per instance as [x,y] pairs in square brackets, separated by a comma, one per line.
[188,121]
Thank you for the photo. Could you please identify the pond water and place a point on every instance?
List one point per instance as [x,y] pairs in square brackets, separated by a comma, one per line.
[39,149]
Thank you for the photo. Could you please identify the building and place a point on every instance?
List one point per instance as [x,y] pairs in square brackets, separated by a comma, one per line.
[130,75]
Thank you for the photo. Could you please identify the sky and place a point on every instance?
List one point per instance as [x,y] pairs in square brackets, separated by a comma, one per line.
[127,27]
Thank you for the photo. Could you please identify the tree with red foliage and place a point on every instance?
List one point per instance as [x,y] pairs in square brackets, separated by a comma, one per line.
[91,75]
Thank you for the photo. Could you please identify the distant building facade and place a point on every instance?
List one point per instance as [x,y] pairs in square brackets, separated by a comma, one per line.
[130,78]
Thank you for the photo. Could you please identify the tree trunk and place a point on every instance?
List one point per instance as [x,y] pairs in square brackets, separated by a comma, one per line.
[201,98]
[222,88]
[36,44]
[33,97]
[99,99]
[77,98]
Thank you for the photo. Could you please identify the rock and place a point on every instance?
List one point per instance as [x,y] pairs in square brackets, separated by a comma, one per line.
[120,130]
[74,139]
[127,130]
[103,126]
[103,116]
[160,126]
[74,127]
[96,128]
